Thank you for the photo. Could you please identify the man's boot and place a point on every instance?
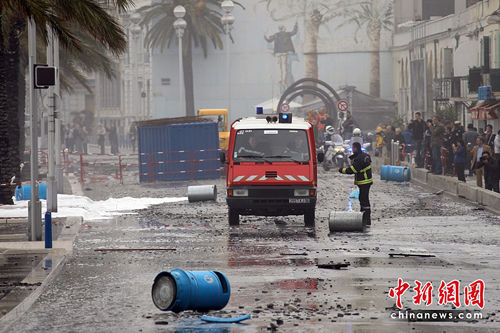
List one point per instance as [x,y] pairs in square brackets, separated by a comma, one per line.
[367,216]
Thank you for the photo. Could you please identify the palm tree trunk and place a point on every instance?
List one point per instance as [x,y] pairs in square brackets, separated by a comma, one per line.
[10,133]
[311,48]
[187,65]
[375,29]
[312,23]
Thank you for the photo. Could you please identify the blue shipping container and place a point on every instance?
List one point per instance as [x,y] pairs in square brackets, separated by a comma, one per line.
[179,152]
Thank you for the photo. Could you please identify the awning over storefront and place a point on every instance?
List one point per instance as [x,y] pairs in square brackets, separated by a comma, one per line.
[486,110]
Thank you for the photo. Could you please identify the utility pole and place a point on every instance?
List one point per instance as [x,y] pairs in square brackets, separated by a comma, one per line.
[57,99]
[51,179]
[34,205]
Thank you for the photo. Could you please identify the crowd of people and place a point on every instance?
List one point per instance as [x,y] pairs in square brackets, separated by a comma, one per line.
[77,138]
[447,148]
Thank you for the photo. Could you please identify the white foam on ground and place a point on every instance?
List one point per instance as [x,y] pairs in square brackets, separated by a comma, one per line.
[74,205]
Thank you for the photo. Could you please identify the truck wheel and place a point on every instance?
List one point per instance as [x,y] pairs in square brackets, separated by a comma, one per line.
[309,217]
[234,217]
[326,166]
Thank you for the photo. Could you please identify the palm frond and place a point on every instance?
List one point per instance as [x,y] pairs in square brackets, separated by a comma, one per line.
[92,17]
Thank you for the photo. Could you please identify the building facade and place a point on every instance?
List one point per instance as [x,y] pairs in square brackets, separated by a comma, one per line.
[124,98]
[440,62]
[324,47]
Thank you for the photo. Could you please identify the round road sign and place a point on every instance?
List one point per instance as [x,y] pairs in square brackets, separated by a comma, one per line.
[343,105]
[285,107]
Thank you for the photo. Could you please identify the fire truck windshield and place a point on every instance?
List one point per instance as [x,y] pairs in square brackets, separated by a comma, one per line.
[275,145]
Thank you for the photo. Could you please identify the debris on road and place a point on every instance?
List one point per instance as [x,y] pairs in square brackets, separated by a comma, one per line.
[423,255]
[133,249]
[293,254]
[334,266]
[226,320]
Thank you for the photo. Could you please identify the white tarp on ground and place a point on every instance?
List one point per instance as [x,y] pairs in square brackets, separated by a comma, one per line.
[273,103]
[74,205]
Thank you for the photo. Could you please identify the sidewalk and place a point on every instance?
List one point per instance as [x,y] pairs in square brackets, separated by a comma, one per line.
[26,267]
[452,186]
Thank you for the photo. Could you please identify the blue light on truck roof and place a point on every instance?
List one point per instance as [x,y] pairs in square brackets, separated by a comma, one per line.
[285,118]
[260,110]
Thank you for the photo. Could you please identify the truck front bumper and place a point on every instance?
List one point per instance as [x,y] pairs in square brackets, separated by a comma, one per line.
[272,201]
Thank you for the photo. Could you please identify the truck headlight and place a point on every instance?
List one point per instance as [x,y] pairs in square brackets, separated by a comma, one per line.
[240,192]
[303,192]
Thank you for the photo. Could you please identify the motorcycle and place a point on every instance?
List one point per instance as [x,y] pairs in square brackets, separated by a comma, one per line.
[335,153]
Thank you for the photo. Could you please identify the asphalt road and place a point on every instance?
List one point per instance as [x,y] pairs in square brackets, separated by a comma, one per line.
[271,264]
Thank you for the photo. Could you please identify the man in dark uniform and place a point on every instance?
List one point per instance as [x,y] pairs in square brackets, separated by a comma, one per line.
[362,169]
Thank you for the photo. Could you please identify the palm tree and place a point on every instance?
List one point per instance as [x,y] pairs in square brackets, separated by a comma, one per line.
[374,16]
[63,17]
[203,19]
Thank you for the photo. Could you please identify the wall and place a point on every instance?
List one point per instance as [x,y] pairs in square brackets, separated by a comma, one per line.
[343,58]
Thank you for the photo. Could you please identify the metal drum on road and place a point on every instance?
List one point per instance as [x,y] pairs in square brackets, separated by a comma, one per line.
[202,193]
[180,290]
[395,173]
[345,221]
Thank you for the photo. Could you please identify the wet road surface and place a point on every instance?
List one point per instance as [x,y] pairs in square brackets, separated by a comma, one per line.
[272,263]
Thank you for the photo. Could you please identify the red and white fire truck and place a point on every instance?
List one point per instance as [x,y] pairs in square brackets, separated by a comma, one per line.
[271,168]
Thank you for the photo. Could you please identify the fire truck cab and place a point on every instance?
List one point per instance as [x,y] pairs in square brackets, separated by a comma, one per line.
[271,168]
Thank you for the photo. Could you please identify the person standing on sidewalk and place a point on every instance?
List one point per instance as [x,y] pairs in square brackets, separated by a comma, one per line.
[101,136]
[489,137]
[491,171]
[113,139]
[437,139]
[349,124]
[470,140]
[417,128]
[361,167]
[448,149]
[477,153]
[459,159]
[497,146]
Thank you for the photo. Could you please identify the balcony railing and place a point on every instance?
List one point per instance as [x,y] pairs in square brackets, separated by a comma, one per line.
[453,87]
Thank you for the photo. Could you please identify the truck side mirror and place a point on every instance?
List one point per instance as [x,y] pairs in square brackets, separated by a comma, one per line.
[321,157]
[222,156]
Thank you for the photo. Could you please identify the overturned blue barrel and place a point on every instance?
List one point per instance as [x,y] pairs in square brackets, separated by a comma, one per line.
[180,290]
[395,173]
[24,192]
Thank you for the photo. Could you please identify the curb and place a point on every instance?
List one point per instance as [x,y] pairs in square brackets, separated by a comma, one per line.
[454,188]
[46,270]
[479,197]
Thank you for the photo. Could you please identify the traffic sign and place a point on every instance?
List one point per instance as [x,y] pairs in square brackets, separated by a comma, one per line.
[285,107]
[343,105]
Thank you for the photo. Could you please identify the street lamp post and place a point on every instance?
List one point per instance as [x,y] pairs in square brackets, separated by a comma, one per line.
[180,25]
[227,21]
[34,205]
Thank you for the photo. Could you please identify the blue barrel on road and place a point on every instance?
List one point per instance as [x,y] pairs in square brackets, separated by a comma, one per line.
[24,192]
[180,290]
[395,173]
[384,172]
